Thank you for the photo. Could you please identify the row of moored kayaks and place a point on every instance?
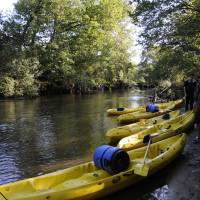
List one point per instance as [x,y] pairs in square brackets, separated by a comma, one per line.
[87,181]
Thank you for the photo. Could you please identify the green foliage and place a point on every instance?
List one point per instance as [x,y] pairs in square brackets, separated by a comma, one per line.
[170,37]
[7,86]
[72,45]
[25,72]
[20,79]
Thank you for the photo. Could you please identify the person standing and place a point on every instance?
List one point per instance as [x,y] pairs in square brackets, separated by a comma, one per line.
[197,110]
[189,90]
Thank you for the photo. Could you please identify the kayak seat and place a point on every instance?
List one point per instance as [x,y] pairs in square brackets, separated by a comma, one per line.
[84,179]
[95,175]
[36,186]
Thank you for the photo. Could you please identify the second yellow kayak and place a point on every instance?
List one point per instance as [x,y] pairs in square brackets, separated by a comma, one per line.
[163,108]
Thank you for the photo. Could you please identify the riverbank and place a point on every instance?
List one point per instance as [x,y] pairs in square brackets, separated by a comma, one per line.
[185,180]
[78,90]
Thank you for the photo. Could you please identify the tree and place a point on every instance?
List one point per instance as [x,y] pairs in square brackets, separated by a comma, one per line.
[78,44]
[172,29]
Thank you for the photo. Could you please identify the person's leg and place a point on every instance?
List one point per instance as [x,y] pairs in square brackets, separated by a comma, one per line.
[197,125]
[198,129]
[187,99]
[196,140]
[191,102]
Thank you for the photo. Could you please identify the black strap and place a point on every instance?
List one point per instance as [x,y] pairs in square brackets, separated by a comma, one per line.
[3,196]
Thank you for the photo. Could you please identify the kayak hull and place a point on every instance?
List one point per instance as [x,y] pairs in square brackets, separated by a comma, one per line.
[85,181]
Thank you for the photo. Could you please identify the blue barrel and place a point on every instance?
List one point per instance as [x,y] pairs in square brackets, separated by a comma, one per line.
[111,159]
[152,108]
[148,107]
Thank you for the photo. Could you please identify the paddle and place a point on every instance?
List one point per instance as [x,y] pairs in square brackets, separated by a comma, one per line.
[142,169]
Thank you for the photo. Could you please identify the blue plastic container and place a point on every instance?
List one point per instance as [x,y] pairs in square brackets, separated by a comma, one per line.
[111,159]
[152,108]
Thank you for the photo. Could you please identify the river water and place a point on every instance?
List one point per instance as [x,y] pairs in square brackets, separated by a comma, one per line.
[46,134]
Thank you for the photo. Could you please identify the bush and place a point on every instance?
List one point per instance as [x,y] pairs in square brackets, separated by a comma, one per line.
[7,86]
[21,79]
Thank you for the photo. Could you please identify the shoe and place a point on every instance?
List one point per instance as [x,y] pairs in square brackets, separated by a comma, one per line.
[196,140]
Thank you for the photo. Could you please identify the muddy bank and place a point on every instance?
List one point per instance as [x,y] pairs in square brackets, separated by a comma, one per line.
[178,181]
[184,180]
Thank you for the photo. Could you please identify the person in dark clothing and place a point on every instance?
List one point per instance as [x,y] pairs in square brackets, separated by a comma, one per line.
[197,110]
[189,90]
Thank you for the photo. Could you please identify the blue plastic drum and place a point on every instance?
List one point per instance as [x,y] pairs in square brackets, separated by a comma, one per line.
[111,159]
[152,108]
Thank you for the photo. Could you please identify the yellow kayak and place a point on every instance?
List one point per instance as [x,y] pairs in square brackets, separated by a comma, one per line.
[173,127]
[85,181]
[115,134]
[163,108]
[122,110]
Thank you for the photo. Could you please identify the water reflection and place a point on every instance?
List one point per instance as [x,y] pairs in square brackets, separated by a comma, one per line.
[160,193]
[45,138]
[9,165]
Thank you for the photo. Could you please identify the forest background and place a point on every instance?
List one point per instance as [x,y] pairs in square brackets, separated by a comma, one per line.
[77,46]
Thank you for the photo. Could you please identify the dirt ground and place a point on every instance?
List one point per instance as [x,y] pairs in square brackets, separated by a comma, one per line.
[184,181]
[178,181]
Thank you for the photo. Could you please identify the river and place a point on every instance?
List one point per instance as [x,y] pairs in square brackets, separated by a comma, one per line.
[46,134]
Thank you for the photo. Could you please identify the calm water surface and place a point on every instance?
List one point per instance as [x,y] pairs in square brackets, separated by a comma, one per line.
[51,133]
